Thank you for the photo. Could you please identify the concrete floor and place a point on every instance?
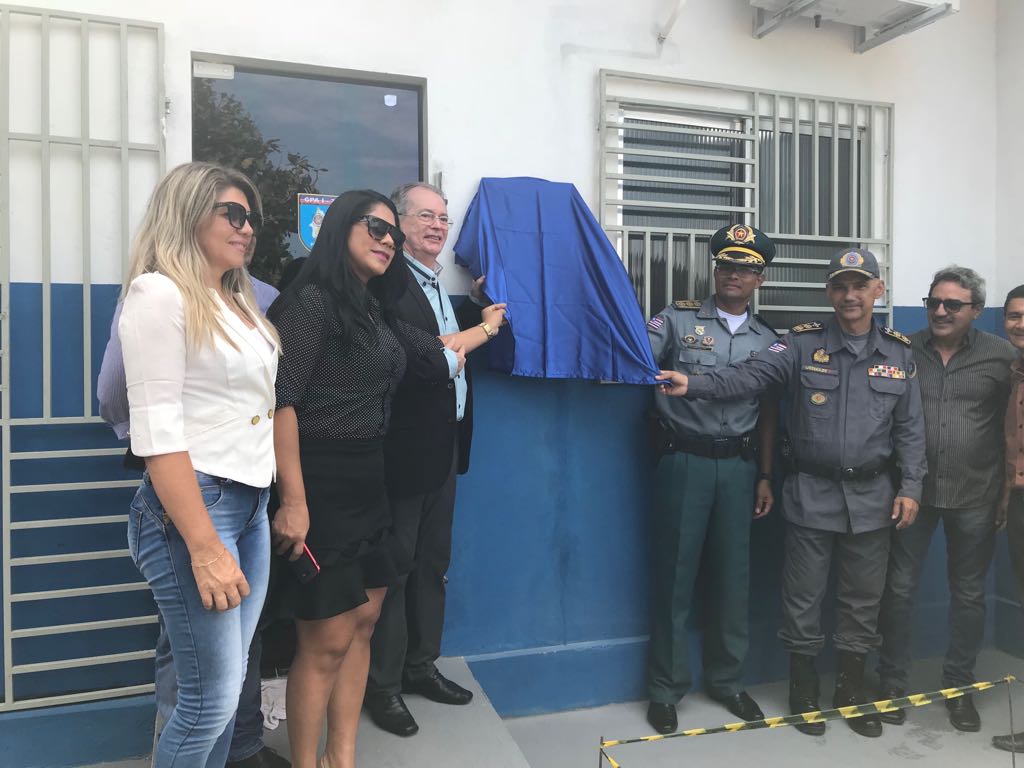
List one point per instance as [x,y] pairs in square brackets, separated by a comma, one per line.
[475,737]
[569,739]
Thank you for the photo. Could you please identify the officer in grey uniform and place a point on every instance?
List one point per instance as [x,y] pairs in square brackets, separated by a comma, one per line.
[710,482]
[858,457]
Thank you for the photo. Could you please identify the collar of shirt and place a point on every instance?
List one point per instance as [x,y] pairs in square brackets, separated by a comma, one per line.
[834,340]
[709,311]
[969,339]
[422,270]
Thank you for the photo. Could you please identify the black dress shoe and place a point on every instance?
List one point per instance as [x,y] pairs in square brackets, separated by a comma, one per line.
[265,758]
[963,715]
[897,716]
[439,688]
[742,706]
[390,714]
[1013,742]
[662,717]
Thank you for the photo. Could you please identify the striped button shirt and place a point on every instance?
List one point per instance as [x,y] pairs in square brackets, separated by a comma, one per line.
[964,410]
[1015,429]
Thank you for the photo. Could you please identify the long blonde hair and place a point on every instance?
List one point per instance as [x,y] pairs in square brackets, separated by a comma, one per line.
[167,243]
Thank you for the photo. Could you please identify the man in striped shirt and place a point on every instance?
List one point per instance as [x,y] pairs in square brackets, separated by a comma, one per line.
[964,376]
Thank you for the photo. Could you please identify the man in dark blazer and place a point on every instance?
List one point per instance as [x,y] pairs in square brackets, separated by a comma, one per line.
[427,445]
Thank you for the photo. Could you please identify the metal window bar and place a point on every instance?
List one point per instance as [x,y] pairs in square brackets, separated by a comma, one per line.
[779,181]
[87,25]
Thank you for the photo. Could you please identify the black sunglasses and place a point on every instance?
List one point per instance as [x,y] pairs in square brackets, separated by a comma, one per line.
[378,228]
[237,216]
[952,305]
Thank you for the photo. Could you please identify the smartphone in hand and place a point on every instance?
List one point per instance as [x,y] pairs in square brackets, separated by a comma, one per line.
[305,567]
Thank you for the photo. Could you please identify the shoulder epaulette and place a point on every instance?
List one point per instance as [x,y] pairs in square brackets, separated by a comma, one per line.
[686,304]
[765,323]
[893,333]
[804,327]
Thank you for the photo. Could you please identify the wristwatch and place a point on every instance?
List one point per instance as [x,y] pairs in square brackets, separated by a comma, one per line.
[491,332]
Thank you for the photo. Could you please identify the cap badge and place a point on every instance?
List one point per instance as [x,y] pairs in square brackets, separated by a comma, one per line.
[738,233]
[852,259]
[819,398]
[820,355]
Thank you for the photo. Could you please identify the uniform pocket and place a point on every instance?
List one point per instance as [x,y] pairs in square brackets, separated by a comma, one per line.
[819,395]
[885,393]
[697,361]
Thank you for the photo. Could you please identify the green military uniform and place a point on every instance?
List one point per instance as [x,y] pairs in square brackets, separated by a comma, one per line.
[704,499]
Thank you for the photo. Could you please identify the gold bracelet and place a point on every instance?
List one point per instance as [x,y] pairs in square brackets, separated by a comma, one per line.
[207,565]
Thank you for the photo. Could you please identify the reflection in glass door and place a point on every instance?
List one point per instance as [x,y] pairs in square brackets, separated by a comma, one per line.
[295,133]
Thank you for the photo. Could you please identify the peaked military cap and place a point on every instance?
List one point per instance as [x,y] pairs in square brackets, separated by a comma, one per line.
[740,244]
[858,260]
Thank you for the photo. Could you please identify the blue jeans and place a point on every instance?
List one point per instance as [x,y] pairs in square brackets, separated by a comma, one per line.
[247,736]
[209,648]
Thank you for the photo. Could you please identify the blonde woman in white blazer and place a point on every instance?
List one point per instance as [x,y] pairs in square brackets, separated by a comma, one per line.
[201,364]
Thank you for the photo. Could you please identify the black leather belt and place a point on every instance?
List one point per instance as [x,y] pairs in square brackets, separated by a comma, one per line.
[839,474]
[716,447]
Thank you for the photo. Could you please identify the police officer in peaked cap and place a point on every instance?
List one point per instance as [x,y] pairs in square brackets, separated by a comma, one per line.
[713,478]
[858,456]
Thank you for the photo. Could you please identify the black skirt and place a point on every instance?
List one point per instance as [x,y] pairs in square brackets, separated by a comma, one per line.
[349,532]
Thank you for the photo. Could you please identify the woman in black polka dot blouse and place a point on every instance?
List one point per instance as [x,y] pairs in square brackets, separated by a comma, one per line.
[343,355]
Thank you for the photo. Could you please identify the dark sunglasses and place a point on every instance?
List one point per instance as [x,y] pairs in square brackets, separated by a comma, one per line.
[378,228]
[952,305]
[237,216]
[737,269]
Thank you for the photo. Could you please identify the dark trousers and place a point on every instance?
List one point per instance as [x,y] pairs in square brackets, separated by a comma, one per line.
[860,563]
[1015,539]
[407,639]
[704,507]
[970,542]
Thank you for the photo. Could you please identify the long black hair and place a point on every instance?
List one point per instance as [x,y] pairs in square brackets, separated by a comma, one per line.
[329,267]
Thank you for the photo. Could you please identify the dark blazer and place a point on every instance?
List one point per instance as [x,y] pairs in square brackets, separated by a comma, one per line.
[421,438]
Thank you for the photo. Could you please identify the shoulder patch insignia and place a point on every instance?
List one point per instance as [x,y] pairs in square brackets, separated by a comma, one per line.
[894,334]
[686,304]
[804,327]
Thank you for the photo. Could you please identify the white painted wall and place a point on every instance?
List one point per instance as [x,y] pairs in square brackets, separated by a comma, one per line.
[512,88]
[1009,148]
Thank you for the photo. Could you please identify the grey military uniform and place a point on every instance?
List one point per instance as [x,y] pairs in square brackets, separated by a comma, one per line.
[846,411]
[849,412]
[691,338]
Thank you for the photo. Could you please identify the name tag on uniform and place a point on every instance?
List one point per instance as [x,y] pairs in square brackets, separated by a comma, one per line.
[819,369]
[887,372]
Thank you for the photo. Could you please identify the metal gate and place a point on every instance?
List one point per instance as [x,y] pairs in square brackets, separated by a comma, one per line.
[82,145]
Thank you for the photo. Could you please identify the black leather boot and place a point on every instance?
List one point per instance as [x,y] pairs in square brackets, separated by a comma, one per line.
[850,692]
[803,691]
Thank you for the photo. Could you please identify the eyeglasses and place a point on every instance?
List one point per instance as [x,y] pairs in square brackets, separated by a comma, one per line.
[378,229]
[731,269]
[237,216]
[952,305]
[427,217]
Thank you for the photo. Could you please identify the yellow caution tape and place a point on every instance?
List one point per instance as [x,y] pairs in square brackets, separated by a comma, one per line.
[822,716]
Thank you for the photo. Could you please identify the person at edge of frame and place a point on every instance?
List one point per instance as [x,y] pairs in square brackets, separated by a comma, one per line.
[964,376]
[1010,511]
[713,478]
[858,465]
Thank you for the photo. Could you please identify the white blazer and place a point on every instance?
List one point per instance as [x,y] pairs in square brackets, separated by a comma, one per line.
[215,402]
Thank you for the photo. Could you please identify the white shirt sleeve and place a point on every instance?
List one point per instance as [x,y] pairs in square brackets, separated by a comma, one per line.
[152,331]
